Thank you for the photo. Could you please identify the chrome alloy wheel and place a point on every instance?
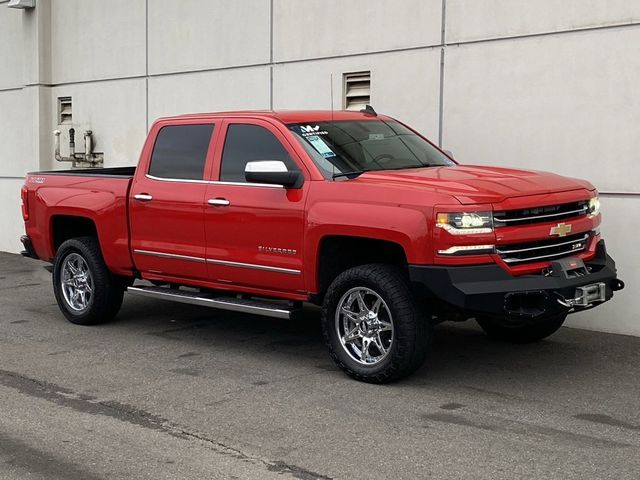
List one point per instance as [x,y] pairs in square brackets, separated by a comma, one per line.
[364,326]
[76,282]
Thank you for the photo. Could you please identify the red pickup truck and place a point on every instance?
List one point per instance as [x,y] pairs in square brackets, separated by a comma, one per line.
[261,211]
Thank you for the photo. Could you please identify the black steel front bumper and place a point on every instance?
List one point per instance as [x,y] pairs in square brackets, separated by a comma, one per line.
[492,291]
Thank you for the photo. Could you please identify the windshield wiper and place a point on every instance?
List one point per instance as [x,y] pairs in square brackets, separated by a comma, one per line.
[426,165]
[355,173]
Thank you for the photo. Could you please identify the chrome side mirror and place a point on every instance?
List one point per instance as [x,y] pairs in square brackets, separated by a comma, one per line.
[272,172]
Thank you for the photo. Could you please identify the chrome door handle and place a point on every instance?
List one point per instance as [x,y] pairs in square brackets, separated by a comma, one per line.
[218,202]
[143,197]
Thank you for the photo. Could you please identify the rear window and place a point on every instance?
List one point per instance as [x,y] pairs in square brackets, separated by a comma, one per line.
[180,152]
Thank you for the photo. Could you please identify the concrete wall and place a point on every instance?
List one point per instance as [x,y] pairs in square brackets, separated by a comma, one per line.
[332,28]
[21,113]
[469,20]
[94,39]
[11,51]
[549,85]
[209,91]
[566,103]
[308,84]
[202,34]
[115,110]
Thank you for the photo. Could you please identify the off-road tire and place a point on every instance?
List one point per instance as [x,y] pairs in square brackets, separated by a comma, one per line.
[411,323]
[533,331]
[108,289]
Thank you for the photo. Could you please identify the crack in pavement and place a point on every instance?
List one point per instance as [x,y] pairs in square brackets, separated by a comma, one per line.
[606,420]
[9,287]
[128,413]
[500,425]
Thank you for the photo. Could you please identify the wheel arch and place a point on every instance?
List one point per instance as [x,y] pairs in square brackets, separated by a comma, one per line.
[66,227]
[337,253]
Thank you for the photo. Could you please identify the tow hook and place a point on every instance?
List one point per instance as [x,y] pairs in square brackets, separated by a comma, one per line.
[585,296]
[617,284]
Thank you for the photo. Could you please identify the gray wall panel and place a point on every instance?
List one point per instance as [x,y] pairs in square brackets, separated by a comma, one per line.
[335,27]
[202,34]
[11,51]
[236,89]
[469,20]
[403,84]
[94,39]
[114,111]
[566,103]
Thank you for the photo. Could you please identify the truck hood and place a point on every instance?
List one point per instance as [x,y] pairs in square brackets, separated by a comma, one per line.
[470,184]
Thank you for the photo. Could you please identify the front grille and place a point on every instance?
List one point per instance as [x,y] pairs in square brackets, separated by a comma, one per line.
[549,213]
[545,250]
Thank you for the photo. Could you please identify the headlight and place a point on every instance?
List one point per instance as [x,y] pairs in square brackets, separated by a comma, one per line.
[465,223]
[594,205]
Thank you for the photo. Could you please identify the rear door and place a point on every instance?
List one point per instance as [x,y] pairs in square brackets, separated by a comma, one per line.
[254,231]
[167,202]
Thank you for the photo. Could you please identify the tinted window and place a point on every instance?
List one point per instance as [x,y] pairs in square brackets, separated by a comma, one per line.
[247,143]
[360,146]
[181,152]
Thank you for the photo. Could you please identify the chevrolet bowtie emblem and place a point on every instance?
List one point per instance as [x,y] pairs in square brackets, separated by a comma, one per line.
[561,230]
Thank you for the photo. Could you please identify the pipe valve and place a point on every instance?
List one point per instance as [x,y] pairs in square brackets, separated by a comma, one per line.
[93,159]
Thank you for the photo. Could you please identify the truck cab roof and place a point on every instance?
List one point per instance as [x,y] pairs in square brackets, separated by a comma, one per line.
[285,116]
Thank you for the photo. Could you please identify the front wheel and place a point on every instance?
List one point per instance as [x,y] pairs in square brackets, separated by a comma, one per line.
[375,330]
[86,292]
[521,333]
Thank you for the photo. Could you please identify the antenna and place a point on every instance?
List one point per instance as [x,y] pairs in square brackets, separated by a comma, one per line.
[331,79]
[333,165]
[369,111]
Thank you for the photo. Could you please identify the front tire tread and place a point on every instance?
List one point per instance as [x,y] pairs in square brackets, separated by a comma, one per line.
[411,324]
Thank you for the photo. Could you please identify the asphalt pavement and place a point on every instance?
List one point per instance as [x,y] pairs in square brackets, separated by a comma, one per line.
[175,391]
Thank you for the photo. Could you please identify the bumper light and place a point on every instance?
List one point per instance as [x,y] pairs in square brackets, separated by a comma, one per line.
[467,250]
[24,197]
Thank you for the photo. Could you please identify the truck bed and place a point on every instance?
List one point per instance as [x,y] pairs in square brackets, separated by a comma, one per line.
[57,197]
[125,172]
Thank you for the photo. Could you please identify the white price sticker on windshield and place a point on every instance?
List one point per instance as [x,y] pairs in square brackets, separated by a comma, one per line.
[321,147]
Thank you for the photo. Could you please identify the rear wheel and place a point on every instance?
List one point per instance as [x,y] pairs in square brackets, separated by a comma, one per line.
[86,292]
[374,329]
[519,332]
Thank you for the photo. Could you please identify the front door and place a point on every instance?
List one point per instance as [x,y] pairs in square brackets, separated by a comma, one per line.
[254,231]
[167,204]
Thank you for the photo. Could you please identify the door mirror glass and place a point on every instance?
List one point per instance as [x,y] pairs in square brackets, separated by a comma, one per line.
[272,172]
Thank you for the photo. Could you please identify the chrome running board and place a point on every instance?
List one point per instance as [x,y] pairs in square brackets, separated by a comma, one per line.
[275,309]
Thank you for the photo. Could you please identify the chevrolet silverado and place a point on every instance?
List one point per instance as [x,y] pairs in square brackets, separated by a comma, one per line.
[261,211]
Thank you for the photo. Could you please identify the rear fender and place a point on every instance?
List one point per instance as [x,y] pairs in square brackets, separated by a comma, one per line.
[107,211]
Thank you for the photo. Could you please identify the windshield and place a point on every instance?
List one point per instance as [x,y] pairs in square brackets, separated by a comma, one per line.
[342,148]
